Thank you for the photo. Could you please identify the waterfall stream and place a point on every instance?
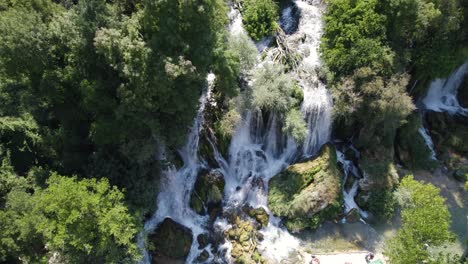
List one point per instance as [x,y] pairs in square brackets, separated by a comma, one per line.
[427,138]
[258,150]
[442,97]
[442,93]
[350,170]
[177,184]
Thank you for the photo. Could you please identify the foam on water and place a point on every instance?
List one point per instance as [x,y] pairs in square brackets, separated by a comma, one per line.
[442,93]
[177,184]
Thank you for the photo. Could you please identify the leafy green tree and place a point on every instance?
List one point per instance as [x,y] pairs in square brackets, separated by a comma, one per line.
[426,34]
[379,105]
[259,17]
[85,221]
[425,222]
[244,50]
[354,37]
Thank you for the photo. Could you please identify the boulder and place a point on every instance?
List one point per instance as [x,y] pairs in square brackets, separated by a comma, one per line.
[259,214]
[203,240]
[170,242]
[308,193]
[203,256]
[207,194]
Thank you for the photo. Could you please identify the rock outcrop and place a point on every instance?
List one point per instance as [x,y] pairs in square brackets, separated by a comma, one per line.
[306,194]
[207,194]
[259,214]
[170,242]
[244,238]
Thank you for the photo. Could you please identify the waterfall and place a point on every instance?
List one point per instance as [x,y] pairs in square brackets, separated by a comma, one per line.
[350,170]
[317,105]
[258,152]
[427,138]
[442,93]
[177,184]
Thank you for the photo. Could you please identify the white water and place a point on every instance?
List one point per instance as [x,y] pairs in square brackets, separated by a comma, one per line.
[350,170]
[176,186]
[442,93]
[427,138]
[258,149]
[317,105]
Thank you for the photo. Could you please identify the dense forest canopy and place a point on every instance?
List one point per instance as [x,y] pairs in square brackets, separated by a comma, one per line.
[90,90]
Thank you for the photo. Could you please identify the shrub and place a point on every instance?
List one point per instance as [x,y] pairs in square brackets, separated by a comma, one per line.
[259,17]
[272,89]
[243,50]
[295,125]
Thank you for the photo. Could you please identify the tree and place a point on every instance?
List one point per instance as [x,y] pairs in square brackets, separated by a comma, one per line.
[426,34]
[259,17]
[425,221]
[379,105]
[354,37]
[85,221]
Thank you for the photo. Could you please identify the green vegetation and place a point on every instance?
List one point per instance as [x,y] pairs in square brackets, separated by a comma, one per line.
[306,194]
[91,88]
[425,223]
[259,17]
[412,148]
[423,36]
[375,51]
[81,221]
[275,91]
[354,36]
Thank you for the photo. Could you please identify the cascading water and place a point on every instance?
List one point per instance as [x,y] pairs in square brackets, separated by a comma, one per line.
[442,97]
[442,94]
[177,184]
[258,152]
[350,170]
[427,138]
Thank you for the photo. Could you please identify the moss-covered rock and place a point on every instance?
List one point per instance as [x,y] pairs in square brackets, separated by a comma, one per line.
[203,256]
[207,194]
[411,148]
[243,236]
[449,133]
[303,190]
[170,240]
[259,214]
